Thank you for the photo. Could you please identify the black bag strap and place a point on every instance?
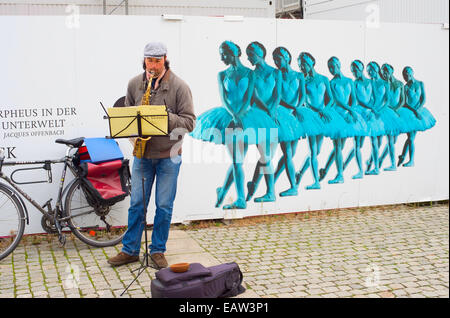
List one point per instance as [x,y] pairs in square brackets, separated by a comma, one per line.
[82,170]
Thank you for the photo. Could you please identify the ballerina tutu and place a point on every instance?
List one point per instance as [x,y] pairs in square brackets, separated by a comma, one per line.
[289,128]
[393,123]
[374,125]
[311,122]
[428,120]
[215,125]
[355,126]
[413,123]
[337,127]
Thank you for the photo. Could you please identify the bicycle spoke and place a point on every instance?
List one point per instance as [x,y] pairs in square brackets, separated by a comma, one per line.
[83,207]
[3,204]
[98,226]
[81,214]
[12,222]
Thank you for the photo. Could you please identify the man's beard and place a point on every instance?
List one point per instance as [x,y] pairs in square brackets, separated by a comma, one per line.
[156,73]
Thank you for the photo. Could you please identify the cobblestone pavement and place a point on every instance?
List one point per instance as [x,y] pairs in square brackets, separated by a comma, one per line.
[395,251]
[383,252]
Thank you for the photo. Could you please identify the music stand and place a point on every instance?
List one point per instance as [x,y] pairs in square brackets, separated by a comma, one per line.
[142,122]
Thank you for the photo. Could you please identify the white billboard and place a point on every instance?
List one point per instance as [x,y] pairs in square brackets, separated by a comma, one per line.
[56,70]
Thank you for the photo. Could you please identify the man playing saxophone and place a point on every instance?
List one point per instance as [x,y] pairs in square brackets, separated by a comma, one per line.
[156,159]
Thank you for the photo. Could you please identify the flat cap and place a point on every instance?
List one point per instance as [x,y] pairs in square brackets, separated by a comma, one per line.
[155,49]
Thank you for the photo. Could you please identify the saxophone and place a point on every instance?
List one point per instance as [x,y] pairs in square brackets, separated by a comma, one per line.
[148,92]
[140,143]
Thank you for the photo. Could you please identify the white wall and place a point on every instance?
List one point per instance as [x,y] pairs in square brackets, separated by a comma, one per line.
[248,8]
[402,11]
[51,63]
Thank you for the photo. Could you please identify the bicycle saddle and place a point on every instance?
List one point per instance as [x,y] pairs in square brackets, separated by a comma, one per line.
[77,142]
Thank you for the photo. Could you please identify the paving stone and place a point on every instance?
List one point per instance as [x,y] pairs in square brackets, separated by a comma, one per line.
[343,294]
[383,252]
[299,294]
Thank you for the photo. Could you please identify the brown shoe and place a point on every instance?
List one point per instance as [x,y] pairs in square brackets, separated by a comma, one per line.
[122,259]
[159,260]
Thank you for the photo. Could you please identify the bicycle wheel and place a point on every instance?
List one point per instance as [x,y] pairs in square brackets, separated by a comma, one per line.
[12,221]
[97,226]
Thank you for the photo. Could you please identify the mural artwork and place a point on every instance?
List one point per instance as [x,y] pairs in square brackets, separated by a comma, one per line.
[268,106]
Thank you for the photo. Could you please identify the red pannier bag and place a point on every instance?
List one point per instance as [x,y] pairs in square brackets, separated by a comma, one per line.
[107,182]
[83,154]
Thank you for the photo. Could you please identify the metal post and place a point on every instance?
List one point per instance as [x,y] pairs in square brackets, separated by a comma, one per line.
[302,9]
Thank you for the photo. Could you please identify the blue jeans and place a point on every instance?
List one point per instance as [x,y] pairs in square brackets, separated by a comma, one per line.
[166,173]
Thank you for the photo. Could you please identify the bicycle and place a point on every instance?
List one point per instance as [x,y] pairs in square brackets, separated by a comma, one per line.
[92,223]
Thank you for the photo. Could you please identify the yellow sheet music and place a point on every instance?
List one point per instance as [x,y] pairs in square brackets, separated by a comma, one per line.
[154,120]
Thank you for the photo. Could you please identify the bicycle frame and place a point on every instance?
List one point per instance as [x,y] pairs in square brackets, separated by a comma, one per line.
[67,160]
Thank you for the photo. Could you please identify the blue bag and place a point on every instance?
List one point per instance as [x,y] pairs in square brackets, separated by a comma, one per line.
[101,150]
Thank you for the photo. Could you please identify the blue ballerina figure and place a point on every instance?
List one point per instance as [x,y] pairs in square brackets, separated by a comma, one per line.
[364,106]
[266,97]
[414,113]
[319,98]
[396,99]
[234,124]
[354,126]
[289,116]
[391,122]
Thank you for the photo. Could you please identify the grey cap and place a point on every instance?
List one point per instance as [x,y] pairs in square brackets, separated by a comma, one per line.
[155,49]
